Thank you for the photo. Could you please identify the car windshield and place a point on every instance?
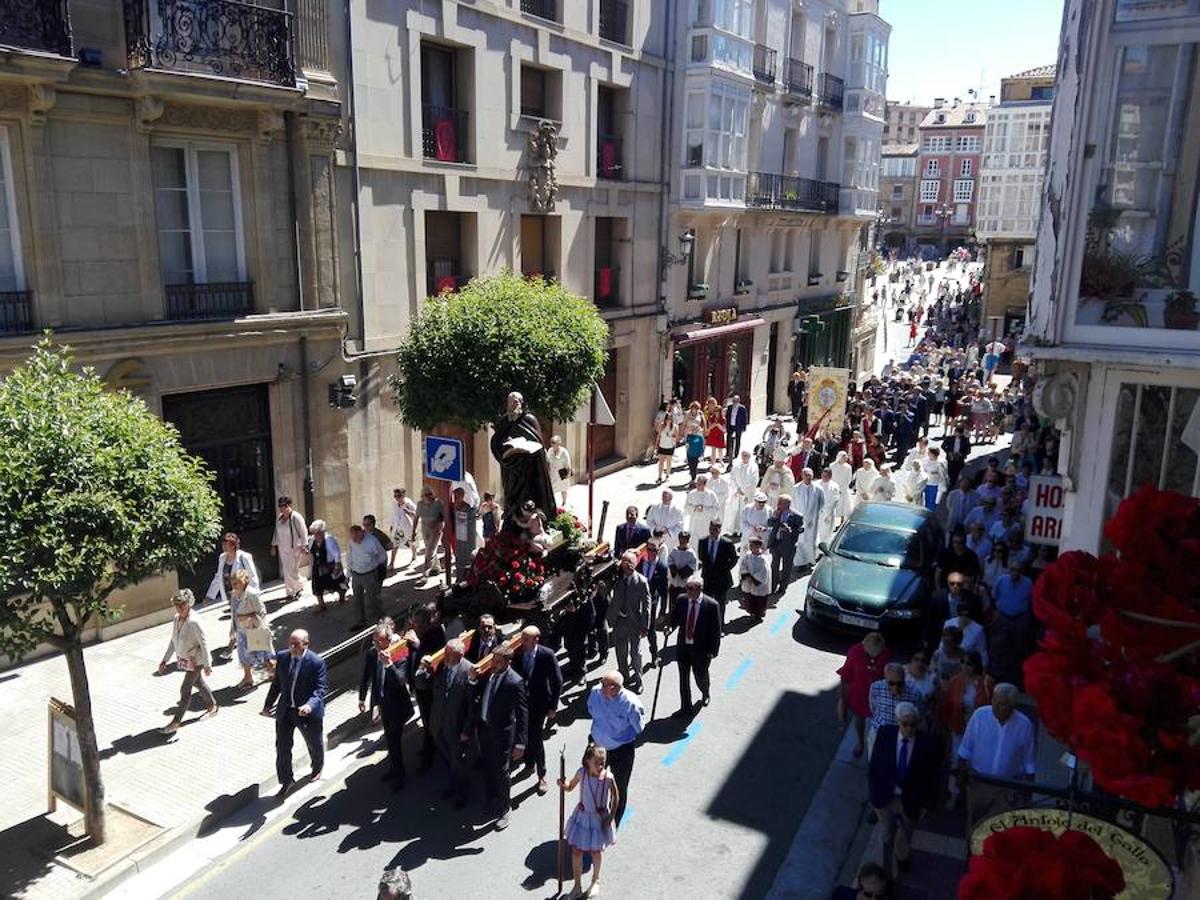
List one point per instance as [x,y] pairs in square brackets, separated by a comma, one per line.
[879,545]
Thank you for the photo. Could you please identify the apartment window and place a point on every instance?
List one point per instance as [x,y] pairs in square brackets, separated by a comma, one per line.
[964,170]
[897,213]
[607,276]
[199,214]
[897,192]
[444,119]
[446,268]
[736,16]
[12,275]
[1148,445]
[694,119]
[969,118]
[1018,258]
[964,190]
[814,254]
[937,144]
[967,143]
[609,156]
[613,17]
[543,9]
[540,93]
[933,168]
[929,191]
[725,132]
[539,246]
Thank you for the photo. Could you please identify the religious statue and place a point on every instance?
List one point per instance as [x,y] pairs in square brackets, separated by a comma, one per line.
[541,156]
[524,469]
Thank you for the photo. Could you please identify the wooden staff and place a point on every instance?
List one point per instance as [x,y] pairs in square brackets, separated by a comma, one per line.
[562,813]
[658,680]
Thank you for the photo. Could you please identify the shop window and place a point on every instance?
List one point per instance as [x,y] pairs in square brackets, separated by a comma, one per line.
[1148,445]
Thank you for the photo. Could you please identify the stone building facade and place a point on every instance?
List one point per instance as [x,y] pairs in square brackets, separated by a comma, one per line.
[903,122]
[898,185]
[948,175]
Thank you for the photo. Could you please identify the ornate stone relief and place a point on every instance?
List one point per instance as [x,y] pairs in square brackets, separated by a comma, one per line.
[541,154]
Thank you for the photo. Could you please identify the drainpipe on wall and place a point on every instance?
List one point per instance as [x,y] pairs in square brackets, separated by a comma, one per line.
[666,142]
[355,180]
[289,119]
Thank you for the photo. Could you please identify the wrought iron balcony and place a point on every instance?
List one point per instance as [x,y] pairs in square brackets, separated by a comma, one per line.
[765,190]
[830,89]
[443,275]
[607,291]
[798,78]
[217,300]
[43,25]
[444,133]
[219,37]
[612,20]
[16,312]
[543,9]
[608,158]
[764,65]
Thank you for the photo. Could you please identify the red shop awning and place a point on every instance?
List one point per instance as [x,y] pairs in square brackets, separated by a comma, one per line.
[696,335]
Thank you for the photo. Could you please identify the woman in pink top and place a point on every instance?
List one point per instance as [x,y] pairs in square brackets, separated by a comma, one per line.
[863,666]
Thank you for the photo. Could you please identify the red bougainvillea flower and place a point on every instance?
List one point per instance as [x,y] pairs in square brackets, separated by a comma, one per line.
[1032,864]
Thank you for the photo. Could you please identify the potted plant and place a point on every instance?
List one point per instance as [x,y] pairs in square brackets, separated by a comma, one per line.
[1111,276]
[1180,311]
[743,286]
[698,291]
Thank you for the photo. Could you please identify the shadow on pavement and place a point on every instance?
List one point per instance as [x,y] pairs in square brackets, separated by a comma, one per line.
[542,863]
[774,780]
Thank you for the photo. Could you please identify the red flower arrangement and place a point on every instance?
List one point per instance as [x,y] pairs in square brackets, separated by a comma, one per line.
[1117,675]
[505,561]
[1026,863]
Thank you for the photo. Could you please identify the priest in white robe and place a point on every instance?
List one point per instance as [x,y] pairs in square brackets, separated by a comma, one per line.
[807,500]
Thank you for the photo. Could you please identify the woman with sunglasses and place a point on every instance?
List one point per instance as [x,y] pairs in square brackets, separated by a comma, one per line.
[961,696]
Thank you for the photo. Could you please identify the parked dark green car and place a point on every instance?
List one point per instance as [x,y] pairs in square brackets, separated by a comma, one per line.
[877,575]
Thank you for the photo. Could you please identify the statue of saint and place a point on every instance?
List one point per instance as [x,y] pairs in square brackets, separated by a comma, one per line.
[524,469]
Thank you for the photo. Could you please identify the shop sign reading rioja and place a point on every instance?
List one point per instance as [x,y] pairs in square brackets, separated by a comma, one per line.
[720,315]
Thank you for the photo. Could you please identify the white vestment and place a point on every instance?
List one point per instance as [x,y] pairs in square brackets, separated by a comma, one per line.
[807,500]
[842,473]
[831,502]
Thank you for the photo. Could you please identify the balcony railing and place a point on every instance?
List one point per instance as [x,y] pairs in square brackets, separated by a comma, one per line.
[798,78]
[16,312]
[443,276]
[36,25]
[608,158]
[221,37]
[444,133]
[612,20]
[830,89]
[764,65]
[765,190]
[606,288]
[543,9]
[217,300]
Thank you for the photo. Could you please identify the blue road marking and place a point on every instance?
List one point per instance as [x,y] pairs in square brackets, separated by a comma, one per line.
[628,814]
[677,751]
[738,673]
[781,622]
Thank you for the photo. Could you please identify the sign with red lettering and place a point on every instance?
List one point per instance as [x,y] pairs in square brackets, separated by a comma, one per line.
[1043,525]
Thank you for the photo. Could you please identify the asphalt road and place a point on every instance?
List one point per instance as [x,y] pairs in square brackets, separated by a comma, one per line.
[713,804]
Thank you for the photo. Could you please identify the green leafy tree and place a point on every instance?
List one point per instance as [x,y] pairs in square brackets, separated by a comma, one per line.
[96,494]
[500,333]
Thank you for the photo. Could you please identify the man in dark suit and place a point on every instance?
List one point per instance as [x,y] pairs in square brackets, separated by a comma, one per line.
[503,728]
[737,417]
[387,685]
[486,639]
[783,530]
[450,715]
[575,624]
[718,557]
[957,448]
[426,637]
[543,684]
[631,534]
[654,569]
[299,686]
[906,432]
[903,781]
[697,622]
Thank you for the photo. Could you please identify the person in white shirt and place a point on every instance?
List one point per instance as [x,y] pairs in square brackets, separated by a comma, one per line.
[702,506]
[720,488]
[404,525]
[831,504]
[864,482]
[912,485]
[884,488]
[744,480]
[843,472]
[978,543]
[998,741]
[560,470]
[808,500]
[288,543]
[665,516]
[959,503]
[364,555]
[936,477]
[919,452]
[754,578]
[973,636]
[754,520]
[777,479]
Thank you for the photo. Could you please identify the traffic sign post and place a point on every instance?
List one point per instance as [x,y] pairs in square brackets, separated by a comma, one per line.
[444,462]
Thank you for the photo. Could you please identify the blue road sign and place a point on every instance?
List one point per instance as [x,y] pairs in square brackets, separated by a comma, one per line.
[443,458]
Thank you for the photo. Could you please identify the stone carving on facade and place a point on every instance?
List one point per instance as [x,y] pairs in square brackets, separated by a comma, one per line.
[41,101]
[209,118]
[541,155]
[149,111]
[270,125]
[323,131]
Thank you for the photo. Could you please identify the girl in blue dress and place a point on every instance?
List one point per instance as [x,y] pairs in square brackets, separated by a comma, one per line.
[590,828]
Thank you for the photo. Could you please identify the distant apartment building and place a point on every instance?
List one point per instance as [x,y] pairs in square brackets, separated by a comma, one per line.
[898,186]
[1015,149]
[903,122]
[948,174]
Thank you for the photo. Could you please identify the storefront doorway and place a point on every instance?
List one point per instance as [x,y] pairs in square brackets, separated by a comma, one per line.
[231,431]
[713,368]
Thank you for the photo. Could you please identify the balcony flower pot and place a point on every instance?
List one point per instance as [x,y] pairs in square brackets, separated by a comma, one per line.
[743,287]
[1180,311]
[698,291]
[814,280]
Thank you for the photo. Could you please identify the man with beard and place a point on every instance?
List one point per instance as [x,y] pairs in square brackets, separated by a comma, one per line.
[524,471]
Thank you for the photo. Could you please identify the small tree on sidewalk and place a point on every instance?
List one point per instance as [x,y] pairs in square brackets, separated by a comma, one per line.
[500,333]
[96,494]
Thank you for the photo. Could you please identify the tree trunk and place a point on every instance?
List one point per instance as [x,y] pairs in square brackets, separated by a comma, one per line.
[89,751]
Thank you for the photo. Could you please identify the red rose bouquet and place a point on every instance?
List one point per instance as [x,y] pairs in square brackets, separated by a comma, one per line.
[505,561]
[1032,864]
[1117,675]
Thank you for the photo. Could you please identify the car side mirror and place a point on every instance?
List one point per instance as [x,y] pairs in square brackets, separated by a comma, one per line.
[823,547]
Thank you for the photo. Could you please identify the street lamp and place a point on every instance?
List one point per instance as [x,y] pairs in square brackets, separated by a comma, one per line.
[944,212]
[687,241]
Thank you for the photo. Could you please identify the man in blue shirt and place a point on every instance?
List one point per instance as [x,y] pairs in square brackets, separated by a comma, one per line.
[1012,629]
[618,718]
